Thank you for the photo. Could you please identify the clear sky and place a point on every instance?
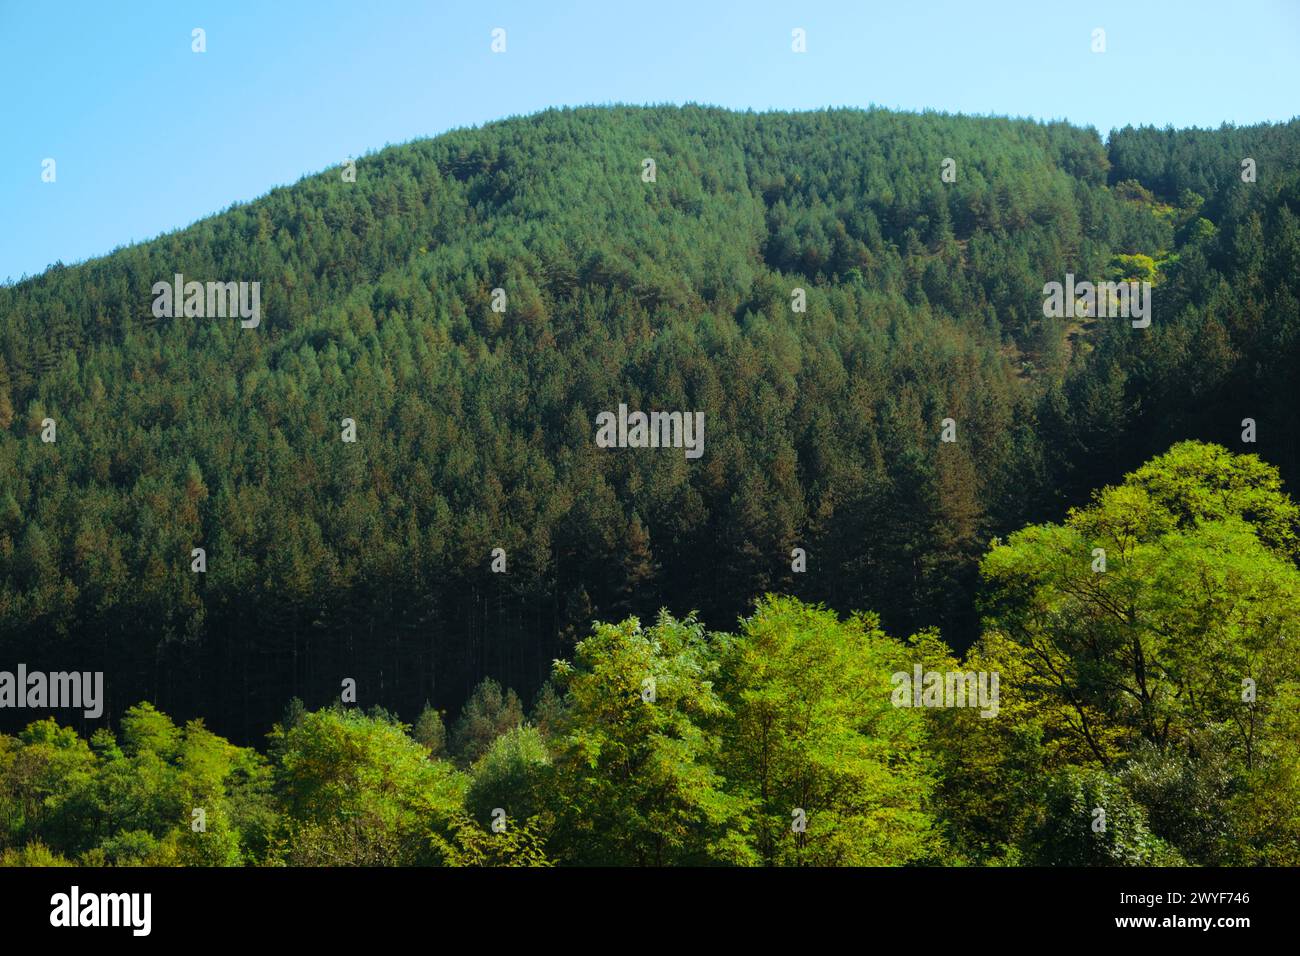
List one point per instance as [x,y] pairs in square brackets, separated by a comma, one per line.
[149,136]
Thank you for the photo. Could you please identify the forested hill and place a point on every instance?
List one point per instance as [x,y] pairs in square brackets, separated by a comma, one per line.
[475,428]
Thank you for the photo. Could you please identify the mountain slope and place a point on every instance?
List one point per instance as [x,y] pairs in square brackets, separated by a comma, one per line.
[476,428]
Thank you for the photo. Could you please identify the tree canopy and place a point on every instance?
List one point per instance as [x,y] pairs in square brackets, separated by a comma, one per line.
[372,560]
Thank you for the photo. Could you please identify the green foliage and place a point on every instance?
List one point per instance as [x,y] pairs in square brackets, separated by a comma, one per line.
[1266,811]
[812,728]
[636,778]
[924,302]
[33,854]
[1147,714]
[1068,833]
[1173,668]
[548,710]
[1138,268]
[132,802]
[513,775]
[1187,795]
[1159,642]
[1197,482]
[127,848]
[489,713]
[430,731]
[357,791]
[519,844]
[476,427]
[990,771]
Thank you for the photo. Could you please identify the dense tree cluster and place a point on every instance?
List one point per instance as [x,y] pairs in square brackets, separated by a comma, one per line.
[1122,699]
[329,560]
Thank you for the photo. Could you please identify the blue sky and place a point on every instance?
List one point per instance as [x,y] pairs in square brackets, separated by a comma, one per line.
[149,136]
